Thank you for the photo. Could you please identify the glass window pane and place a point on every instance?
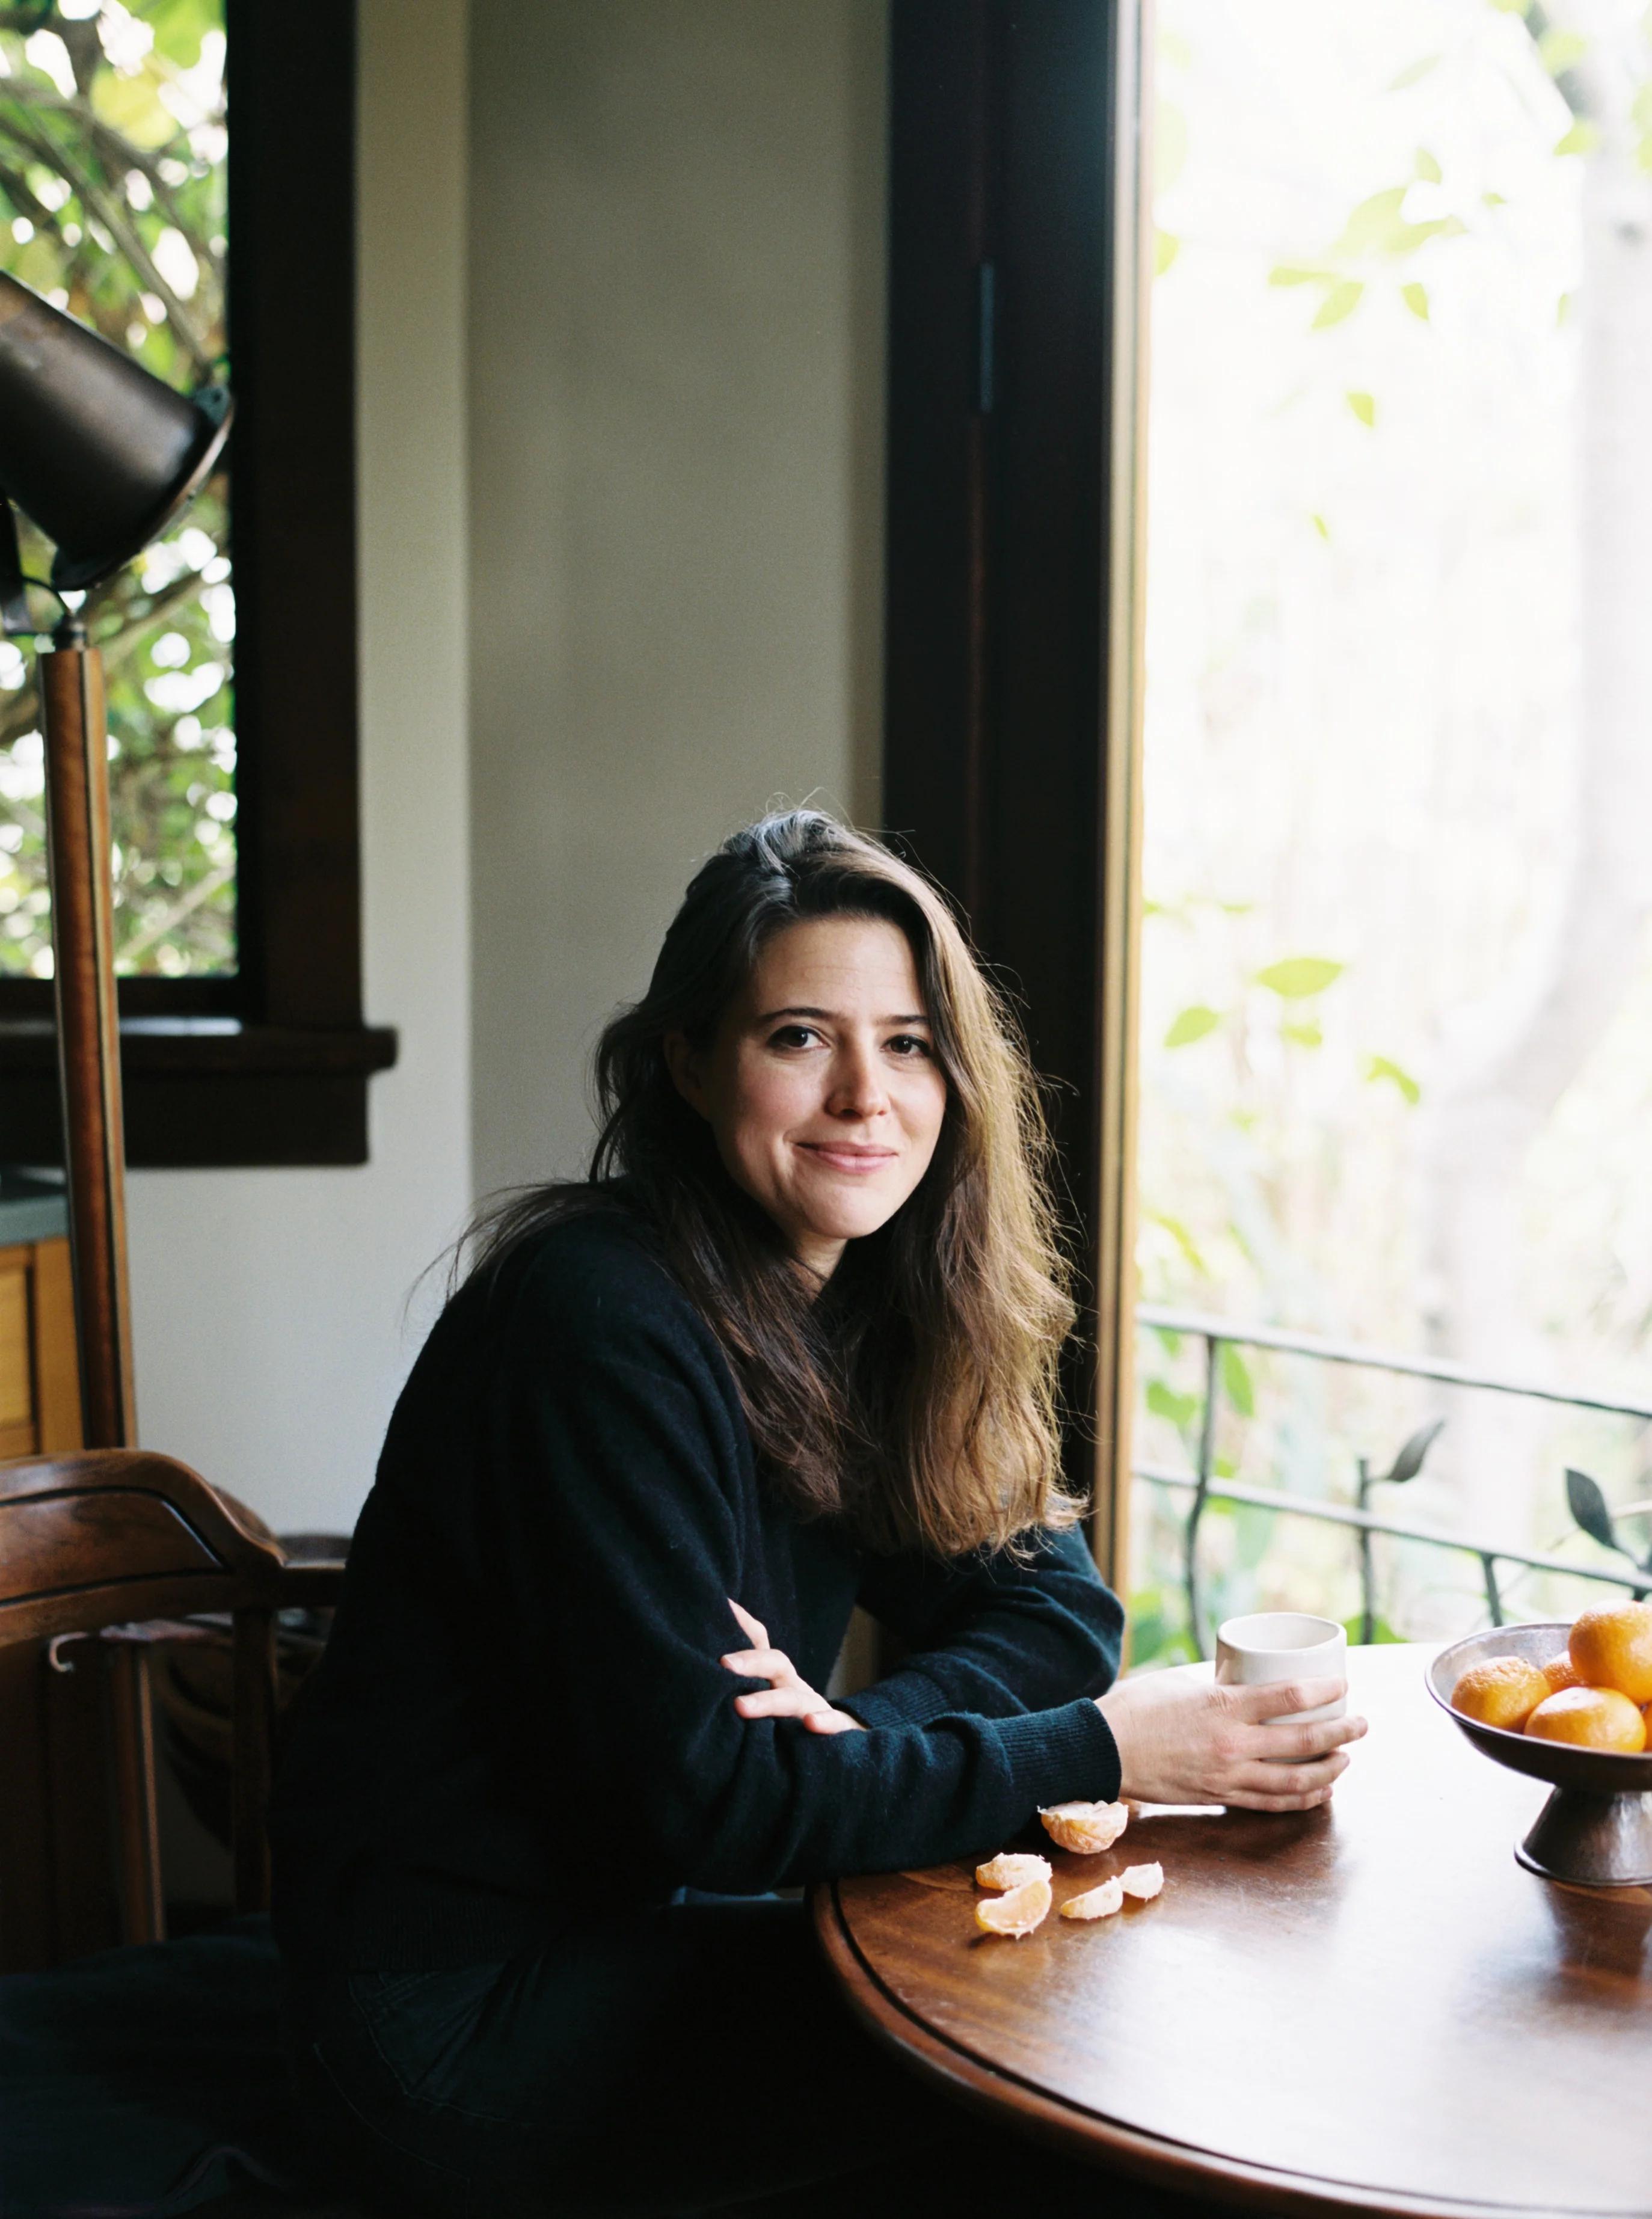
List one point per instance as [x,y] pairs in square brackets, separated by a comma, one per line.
[112,205]
[1397,1041]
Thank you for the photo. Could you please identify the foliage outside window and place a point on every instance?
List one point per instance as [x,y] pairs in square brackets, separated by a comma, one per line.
[1397,1041]
[113,206]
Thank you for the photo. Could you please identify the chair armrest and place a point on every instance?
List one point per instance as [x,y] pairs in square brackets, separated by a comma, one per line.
[310,1586]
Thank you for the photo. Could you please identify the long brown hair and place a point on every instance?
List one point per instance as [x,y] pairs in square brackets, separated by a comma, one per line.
[915,1395]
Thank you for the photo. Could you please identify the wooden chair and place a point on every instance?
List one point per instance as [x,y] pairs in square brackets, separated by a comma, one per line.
[102,1555]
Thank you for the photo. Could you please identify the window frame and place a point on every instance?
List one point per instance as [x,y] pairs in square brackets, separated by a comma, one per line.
[269,1065]
[1019,259]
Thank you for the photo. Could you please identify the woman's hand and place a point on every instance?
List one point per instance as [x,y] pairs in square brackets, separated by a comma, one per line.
[788,1696]
[1183,1741]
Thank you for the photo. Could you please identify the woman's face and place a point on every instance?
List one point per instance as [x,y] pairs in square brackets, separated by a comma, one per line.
[822,1086]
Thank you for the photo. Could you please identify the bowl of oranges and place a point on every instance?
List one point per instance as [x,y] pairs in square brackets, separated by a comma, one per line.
[1571,1705]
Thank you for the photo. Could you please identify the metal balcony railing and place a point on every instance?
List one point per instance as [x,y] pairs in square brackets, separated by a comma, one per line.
[1206,1485]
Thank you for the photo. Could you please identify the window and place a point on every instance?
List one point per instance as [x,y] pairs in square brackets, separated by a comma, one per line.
[113,204]
[1397,976]
[242,1033]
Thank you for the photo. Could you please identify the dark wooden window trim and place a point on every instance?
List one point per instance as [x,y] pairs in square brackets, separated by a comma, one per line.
[1013,659]
[269,1067]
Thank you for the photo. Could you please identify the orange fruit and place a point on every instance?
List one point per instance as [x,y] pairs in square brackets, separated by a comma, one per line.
[1086,1829]
[1011,1868]
[1017,1912]
[1142,1881]
[1560,1672]
[1591,1717]
[1096,1902]
[1504,1692]
[1612,1647]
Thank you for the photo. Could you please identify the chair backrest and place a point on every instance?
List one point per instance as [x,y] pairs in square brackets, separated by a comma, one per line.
[107,1543]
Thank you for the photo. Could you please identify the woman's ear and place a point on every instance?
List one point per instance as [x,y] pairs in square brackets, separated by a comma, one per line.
[684,1065]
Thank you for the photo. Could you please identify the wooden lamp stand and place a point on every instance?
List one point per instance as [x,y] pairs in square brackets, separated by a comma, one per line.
[78,840]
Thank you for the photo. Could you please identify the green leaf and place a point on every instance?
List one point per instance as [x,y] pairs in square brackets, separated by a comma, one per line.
[1364,407]
[1164,1402]
[1381,1067]
[1413,73]
[1339,302]
[1166,247]
[1640,110]
[1191,1024]
[1299,976]
[1582,138]
[1559,50]
[1643,151]
[1308,1035]
[1292,273]
[1237,1384]
[1564,308]
[1512,7]
[1415,297]
[1185,1240]
[1378,225]
[1493,200]
[1373,222]
[1588,1506]
[1409,1462]
[1427,166]
[1320,525]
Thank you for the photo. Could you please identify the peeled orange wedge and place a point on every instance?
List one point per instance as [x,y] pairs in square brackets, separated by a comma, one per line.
[1016,1912]
[1086,1829]
[1011,1868]
[1096,1902]
[1143,1881]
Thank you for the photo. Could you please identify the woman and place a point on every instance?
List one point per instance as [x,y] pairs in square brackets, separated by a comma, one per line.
[792,1348]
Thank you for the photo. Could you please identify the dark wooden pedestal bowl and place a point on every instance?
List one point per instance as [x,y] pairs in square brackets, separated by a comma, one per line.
[1595,1831]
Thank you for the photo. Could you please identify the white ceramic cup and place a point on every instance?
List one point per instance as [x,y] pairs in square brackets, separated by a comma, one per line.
[1284,1644]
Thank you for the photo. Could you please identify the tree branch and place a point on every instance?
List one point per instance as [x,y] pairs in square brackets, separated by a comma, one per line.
[95,201]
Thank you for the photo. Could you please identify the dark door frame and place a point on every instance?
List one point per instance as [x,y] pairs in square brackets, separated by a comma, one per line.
[1018,249]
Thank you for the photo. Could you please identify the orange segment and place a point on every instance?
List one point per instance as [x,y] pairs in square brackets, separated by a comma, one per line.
[1096,1902]
[1011,1868]
[1590,1718]
[1143,1881]
[1612,1647]
[1016,1913]
[1504,1692]
[1086,1829]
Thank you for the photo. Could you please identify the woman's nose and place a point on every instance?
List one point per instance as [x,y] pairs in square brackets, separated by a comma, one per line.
[857,1088]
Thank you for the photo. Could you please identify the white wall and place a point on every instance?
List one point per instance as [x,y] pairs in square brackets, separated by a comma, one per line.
[269,1305]
[673,334]
[676,370]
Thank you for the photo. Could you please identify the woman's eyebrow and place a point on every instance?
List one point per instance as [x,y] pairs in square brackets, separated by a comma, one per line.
[832,1017]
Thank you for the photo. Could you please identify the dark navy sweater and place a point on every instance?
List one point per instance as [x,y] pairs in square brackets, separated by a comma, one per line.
[521,1718]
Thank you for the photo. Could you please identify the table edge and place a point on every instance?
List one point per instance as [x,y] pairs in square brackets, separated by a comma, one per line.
[1183,2166]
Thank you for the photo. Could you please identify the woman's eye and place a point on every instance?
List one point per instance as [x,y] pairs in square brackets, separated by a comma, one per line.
[909,1044]
[792,1036]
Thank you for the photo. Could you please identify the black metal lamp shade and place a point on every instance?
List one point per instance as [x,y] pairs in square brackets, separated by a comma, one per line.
[97,450]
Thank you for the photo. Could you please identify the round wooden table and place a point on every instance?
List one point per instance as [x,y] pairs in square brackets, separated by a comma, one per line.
[1371,2006]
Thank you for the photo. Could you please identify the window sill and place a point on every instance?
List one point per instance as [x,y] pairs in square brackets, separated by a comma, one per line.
[206,1092]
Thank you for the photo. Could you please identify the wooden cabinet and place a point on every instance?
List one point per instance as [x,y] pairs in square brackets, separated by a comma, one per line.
[39,1379]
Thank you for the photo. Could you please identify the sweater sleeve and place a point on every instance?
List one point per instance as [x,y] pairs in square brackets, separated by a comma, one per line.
[614,1495]
[997,1633]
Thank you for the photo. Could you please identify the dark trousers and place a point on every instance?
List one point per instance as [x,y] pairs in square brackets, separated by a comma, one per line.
[698,2060]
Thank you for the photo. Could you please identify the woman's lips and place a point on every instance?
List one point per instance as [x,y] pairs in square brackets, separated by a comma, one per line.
[859,1162]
